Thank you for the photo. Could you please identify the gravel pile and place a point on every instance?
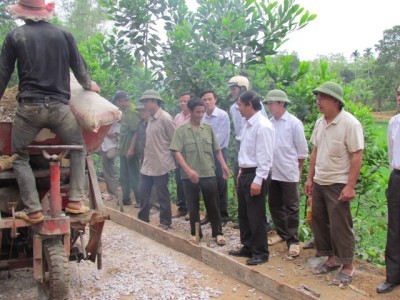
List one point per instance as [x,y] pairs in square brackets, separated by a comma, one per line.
[138,270]
[8,103]
[135,267]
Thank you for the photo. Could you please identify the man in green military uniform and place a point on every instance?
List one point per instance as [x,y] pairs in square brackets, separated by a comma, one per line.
[129,160]
[194,144]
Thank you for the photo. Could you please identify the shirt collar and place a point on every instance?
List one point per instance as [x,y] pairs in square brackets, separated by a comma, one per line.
[183,116]
[157,114]
[213,114]
[190,126]
[254,118]
[337,118]
[284,117]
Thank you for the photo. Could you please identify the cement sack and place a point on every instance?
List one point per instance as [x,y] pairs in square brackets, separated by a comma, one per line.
[90,109]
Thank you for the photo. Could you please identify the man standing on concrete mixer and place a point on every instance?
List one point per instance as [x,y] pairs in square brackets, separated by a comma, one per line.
[44,54]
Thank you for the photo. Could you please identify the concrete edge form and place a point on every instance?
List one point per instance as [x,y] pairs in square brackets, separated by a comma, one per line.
[214,259]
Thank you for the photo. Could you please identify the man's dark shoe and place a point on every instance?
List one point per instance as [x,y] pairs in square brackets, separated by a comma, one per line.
[256,261]
[165,227]
[204,221]
[242,252]
[385,287]
[179,214]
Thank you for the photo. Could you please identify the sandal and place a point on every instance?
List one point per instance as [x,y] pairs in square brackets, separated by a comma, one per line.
[192,240]
[309,245]
[83,210]
[220,240]
[294,250]
[22,215]
[324,268]
[274,240]
[343,279]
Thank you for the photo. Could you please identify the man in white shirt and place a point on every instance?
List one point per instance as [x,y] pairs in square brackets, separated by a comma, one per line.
[290,151]
[219,121]
[255,162]
[238,85]
[392,253]
[181,118]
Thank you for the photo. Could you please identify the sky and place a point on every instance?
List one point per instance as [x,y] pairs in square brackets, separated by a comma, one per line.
[341,26]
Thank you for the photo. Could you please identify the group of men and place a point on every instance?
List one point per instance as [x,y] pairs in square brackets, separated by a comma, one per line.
[196,142]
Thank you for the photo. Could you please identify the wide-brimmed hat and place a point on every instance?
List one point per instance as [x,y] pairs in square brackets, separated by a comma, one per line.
[35,10]
[150,94]
[332,89]
[277,96]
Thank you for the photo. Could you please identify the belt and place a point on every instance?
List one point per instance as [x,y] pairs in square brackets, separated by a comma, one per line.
[397,172]
[247,170]
[38,100]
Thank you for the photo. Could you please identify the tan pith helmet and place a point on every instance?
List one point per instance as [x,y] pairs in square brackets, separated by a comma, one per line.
[240,81]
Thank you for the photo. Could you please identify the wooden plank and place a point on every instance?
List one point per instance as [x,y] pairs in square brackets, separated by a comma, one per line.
[95,194]
[251,276]
[161,236]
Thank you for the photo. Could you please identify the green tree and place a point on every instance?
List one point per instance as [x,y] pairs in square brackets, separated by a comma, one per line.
[197,55]
[6,24]
[355,55]
[136,21]
[368,52]
[339,65]
[113,68]
[387,66]
[83,18]
[6,21]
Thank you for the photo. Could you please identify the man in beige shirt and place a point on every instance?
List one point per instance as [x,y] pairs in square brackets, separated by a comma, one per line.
[335,164]
[158,159]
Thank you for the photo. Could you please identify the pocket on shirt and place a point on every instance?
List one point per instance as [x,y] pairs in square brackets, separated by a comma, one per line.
[337,148]
[286,139]
[190,146]
[208,145]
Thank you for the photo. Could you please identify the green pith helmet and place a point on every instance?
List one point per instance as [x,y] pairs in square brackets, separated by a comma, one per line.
[276,96]
[332,89]
[150,94]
